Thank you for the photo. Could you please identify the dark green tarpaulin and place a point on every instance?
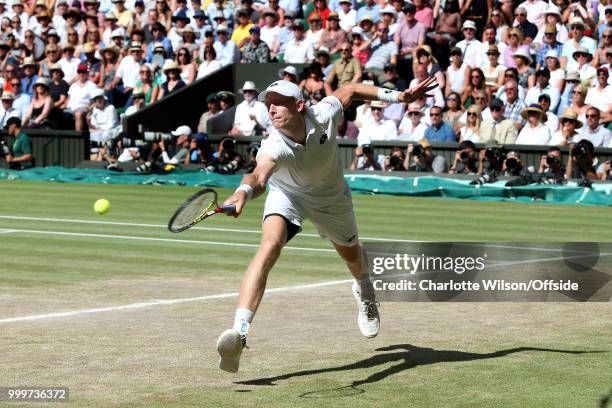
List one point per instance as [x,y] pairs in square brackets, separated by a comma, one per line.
[600,194]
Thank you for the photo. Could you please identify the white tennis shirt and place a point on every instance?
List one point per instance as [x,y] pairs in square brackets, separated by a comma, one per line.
[310,172]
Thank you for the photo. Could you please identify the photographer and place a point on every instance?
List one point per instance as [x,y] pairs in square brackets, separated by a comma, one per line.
[198,150]
[395,162]
[512,165]
[226,160]
[466,159]
[550,171]
[20,156]
[490,162]
[606,171]
[164,151]
[423,159]
[251,163]
[365,159]
[580,162]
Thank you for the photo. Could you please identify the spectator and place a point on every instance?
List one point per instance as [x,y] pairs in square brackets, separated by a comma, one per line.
[424,14]
[127,74]
[173,82]
[571,80]
[439,131]
[158,36]
[299,50]
[552,120]
[514,106]
[551,167]
[466,159]
[147,85]
[255,51]
[475,85]
[29,75]
[251,115]
[226,160]
[550,45]
[498,129]
[598,135]
[379,128]
[512,165]
[448,26]
[241,32]
[606,43]
[51,57]
[454,110]
[289,73]
[270,31]
[102,119]
[567,132]
[542,87]
[522,61]
[457,74]
[600,96]
[471,130]
[212,102]
[8,111]
[481,100]
[408,37]
[346,70]
[181,147]
[411,128]
[348,16]
[226,49]
[189,38]
[490,162]
[69,63]
[370,8]
[435,97]
[579,96]
[470,47]
[336,35]
[323,58]
[188,67]
[421,158]
[493,71]
[22,100]
[226,100]
[557,75]
[552,18]
[93,64]
[138,102]
[39,111]
[79,95]
[424,56]
[108,69]
[585,70]
[210,63]
[58,89]
[313,86]
[529,30]
[515,40]
[534,132]
[578,40]
[20,157]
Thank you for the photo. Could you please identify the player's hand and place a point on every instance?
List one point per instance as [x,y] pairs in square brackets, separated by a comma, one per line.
[412,94]
[238,199]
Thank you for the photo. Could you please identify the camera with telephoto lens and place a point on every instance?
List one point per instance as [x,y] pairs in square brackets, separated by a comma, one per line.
[465,155]
[4,149]
[418,150]
[366,149]
[157,137]
[512,163]
[485,178]
[253,149]
[228,144]
[491,153]
[552,161]
[395,161]
[579,151]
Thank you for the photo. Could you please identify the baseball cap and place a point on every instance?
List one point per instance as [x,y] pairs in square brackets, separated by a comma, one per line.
[82,68]
[282,87]
[496,103]
[182,130]
[255,29]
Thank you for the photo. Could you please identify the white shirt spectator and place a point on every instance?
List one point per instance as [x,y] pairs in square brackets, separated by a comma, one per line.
[534,93]
[552,122]
[599,98]
[22,103]
[69,67]
[347,20]
[208,67]
[363,115]
[410,133]
[270,35]
[501,93]
[600,136]
[243,120]
[486,115]
[383,130]
[227,53]
[129,71]
[104,121]
[79,95]
[299,52]
[539,135]
[437,99]
[6,114]
[472,54]
[535,11]
[469,134]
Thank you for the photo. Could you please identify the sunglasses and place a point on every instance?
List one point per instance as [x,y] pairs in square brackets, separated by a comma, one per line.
[513,35]
[577,92]
[519,14]
[434,114]
[577,27]
[472,114]
[479,98]
[495,109]
[495,15]
[345,49]
[414,114]
[606,36]
[376,109]
[564,121]
[590,116]
[15,84]
[550,33]
[476,76]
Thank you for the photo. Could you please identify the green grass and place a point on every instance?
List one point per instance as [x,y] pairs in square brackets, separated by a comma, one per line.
[303,342]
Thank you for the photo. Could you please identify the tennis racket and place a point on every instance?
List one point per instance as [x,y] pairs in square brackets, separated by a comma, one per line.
[196,208]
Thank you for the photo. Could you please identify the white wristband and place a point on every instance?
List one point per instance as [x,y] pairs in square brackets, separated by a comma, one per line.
[247,189]
[388,95]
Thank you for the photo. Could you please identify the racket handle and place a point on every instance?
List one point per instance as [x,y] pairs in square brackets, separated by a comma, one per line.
[230,208]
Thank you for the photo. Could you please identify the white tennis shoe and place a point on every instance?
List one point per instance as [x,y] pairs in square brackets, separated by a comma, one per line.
[229,347]
[368,318]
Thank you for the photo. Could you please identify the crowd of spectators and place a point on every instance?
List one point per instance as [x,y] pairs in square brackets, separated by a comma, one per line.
[531,72]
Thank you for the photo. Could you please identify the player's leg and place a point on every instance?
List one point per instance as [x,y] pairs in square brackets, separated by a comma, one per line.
[232,341]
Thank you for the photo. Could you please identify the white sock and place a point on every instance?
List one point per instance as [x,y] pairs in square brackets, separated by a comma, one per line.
[243,320]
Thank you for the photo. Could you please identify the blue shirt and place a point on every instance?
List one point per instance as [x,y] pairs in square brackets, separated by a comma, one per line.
[369,11]
[557,47]
[27,84]
[444,133]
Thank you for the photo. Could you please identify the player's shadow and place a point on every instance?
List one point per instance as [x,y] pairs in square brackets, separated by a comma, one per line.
[409,357]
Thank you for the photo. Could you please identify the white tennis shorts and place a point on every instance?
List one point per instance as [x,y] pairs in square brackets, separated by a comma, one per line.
[335,222]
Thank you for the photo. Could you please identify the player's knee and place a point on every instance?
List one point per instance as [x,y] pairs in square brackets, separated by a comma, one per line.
[350,254]
[272,246]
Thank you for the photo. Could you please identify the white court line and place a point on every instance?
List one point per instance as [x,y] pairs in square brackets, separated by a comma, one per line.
[133,224]
[6,231]
[164,302]
[189,241]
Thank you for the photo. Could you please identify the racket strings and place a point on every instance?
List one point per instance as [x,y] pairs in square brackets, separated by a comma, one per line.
[194,210]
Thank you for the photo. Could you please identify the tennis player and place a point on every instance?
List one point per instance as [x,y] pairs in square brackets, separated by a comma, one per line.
[299,159]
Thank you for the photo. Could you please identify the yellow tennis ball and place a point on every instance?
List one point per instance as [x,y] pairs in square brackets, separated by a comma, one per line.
[102,206]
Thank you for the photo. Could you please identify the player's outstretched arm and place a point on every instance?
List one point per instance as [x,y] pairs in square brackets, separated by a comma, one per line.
[253,185]
[348,93]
